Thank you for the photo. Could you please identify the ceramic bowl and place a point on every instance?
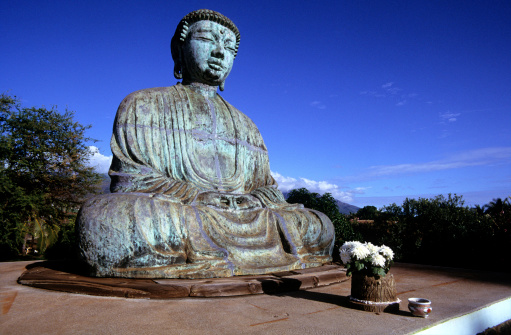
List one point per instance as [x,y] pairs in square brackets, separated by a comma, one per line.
[420,307]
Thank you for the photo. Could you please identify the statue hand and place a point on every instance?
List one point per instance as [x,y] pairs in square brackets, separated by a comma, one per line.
[229,200]
[165,197]
[291,207]
[183,200]
[284,206]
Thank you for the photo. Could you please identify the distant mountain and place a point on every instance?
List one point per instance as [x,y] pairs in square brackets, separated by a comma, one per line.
[344,208]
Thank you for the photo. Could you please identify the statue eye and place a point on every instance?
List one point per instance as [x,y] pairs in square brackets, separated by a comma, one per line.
[204,37]
[229,47]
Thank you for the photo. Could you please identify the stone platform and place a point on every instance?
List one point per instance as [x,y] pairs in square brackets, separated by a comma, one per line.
[65,277]
[456,295]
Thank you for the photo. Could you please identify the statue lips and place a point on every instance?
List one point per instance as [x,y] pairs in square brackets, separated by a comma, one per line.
[217,66]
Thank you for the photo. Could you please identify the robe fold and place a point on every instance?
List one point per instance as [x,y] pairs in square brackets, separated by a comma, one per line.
[193,197]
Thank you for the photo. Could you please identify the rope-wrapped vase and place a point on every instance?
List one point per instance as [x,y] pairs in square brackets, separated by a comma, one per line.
[374,295]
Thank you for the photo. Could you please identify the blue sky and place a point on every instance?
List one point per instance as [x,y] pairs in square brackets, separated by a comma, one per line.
[372,101]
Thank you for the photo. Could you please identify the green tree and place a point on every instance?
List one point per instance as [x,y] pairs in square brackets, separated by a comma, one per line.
[439,230]
[499,212]
[44,173]
[327,205]
[367,213]
[497,207]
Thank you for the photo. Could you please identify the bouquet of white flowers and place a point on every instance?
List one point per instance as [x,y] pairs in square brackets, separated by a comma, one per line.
[366,258]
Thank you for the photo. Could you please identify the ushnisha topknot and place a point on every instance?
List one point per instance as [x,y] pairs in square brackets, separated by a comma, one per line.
[200,15]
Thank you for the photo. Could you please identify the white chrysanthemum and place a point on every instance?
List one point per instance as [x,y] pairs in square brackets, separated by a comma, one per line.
[345,256]
[351,244]
[387,252]
[378,260]
[360,251]
[372,248]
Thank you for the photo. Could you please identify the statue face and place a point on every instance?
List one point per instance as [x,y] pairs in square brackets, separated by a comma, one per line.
[208,53]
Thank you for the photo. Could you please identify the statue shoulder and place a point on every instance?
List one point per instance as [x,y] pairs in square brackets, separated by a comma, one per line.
[148,93]
[242,116]
[143,101]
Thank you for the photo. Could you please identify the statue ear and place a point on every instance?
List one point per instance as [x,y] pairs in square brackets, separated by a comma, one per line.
[176,50]
[222,86]
[178,73]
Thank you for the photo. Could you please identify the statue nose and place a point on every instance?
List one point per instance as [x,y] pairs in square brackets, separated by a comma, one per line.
[219,51]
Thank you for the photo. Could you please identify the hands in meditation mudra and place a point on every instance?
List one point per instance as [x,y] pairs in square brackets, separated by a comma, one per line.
[192,194]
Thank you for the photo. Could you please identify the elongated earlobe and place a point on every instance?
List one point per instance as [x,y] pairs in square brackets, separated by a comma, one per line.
[222,86]
[178,74]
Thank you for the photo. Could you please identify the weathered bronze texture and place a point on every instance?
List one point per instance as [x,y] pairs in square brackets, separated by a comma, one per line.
[192,194]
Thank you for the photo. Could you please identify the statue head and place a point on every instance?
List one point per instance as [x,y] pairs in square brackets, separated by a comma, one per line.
[204,47]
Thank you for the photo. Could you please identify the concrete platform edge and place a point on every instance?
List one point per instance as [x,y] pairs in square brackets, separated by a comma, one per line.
[473,322]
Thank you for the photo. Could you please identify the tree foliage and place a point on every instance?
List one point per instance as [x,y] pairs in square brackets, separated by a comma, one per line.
[44,175]
[438,231]
[367,213]
[326,204]
[443,231]
[498,207]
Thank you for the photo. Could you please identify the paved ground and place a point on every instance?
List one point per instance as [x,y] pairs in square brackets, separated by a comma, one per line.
[26,310]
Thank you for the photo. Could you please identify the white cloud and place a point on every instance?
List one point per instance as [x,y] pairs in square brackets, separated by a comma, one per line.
[318,105]
[387,90]
[287,184]
[100,162]
[487,155]
[450,117]
[478,157]
[373,94]
[401,103]
[394,90]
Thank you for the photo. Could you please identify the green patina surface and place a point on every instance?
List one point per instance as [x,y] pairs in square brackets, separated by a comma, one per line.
[193,196]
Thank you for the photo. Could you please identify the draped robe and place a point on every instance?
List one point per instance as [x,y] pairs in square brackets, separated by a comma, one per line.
[193,197]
